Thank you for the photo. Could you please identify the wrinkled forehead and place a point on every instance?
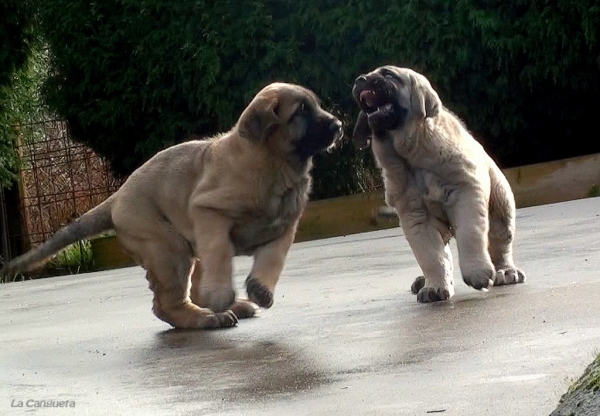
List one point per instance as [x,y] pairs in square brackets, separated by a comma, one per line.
[291,92]
[394,70]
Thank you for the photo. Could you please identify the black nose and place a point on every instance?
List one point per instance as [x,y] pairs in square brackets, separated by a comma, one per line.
[361,78]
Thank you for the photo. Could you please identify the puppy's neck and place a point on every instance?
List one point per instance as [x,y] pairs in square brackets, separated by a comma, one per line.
[290,173]
[284,170]
[408,140]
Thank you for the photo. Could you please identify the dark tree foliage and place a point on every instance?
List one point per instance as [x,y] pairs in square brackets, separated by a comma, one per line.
[134,76]
[16,37]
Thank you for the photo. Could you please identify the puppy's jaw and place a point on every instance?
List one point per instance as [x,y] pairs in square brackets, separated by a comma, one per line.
[337,139]
[376,97]
[372,91]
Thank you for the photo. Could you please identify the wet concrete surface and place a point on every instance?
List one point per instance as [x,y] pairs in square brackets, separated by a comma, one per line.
[344,337]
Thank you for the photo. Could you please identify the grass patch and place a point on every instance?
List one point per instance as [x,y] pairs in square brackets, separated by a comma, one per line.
[15,278]
[590,378]
[76,258]
[73,259]
[594,191]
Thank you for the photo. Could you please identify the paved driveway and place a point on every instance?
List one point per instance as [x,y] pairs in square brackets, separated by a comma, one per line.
[345,336]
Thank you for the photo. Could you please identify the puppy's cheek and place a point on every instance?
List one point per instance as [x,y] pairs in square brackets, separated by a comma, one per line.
[259,293]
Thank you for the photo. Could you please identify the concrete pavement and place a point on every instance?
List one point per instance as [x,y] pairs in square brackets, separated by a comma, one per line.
[344,337]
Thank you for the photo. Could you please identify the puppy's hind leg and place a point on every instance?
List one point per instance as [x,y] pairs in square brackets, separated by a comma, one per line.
[167,259]
[501,236]
[242,308]
[432,254]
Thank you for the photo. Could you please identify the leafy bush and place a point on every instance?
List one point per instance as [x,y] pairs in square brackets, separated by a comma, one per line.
[134,76]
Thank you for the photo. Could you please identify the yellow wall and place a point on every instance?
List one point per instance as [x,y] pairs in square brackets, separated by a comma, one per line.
[542,183]
[538,184]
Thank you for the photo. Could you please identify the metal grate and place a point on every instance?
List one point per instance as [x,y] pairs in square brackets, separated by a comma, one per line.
[59,180]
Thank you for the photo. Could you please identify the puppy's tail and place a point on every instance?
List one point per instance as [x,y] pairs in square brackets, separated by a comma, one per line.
[93,222]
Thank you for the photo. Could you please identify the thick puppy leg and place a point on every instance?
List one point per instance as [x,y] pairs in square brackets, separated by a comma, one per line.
[432,254]
[242,308]
[469,217]
[420,282]
[268,264]
[215,251]
[171,305]
[168,267]
[501,253]
[501,236]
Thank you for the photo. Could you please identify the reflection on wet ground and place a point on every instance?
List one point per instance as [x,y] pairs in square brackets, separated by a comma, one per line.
[216,365]
[344,337]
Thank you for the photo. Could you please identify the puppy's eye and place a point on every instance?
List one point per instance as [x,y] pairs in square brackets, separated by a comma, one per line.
[302,108]
[397,80]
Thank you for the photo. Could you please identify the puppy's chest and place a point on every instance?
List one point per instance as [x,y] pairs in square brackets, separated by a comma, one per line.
[423,175]
[254,228]
[432,187]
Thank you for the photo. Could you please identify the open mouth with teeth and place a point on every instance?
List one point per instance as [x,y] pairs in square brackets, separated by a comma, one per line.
[378,103]
[373,104]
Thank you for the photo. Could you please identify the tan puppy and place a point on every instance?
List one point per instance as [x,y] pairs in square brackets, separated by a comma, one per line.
[191,208]
[441,182]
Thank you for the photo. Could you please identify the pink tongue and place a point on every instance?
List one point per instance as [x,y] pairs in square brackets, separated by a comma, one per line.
[367,97]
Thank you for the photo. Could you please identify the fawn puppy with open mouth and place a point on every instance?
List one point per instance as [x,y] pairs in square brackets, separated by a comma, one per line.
[441,182]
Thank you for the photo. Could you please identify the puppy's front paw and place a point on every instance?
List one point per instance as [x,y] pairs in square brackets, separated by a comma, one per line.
[417,285]
[259,293]
[433,294]
[218,300]
[480,279]
[509,276]
[244,309]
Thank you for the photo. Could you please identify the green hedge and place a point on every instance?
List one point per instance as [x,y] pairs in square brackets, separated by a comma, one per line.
[134,76]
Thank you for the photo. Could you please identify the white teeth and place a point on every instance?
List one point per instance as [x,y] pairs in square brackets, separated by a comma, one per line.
[386,107]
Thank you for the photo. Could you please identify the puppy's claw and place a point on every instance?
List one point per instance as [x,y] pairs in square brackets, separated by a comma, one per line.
[259,293]
[432,294]
[509,276]
[227,319]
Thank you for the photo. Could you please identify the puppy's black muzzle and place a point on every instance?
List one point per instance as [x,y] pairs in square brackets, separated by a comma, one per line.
[375,96]
[322,133]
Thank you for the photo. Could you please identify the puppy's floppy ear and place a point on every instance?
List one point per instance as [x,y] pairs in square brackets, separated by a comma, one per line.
[361,137]
[425,101]
[258,119]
